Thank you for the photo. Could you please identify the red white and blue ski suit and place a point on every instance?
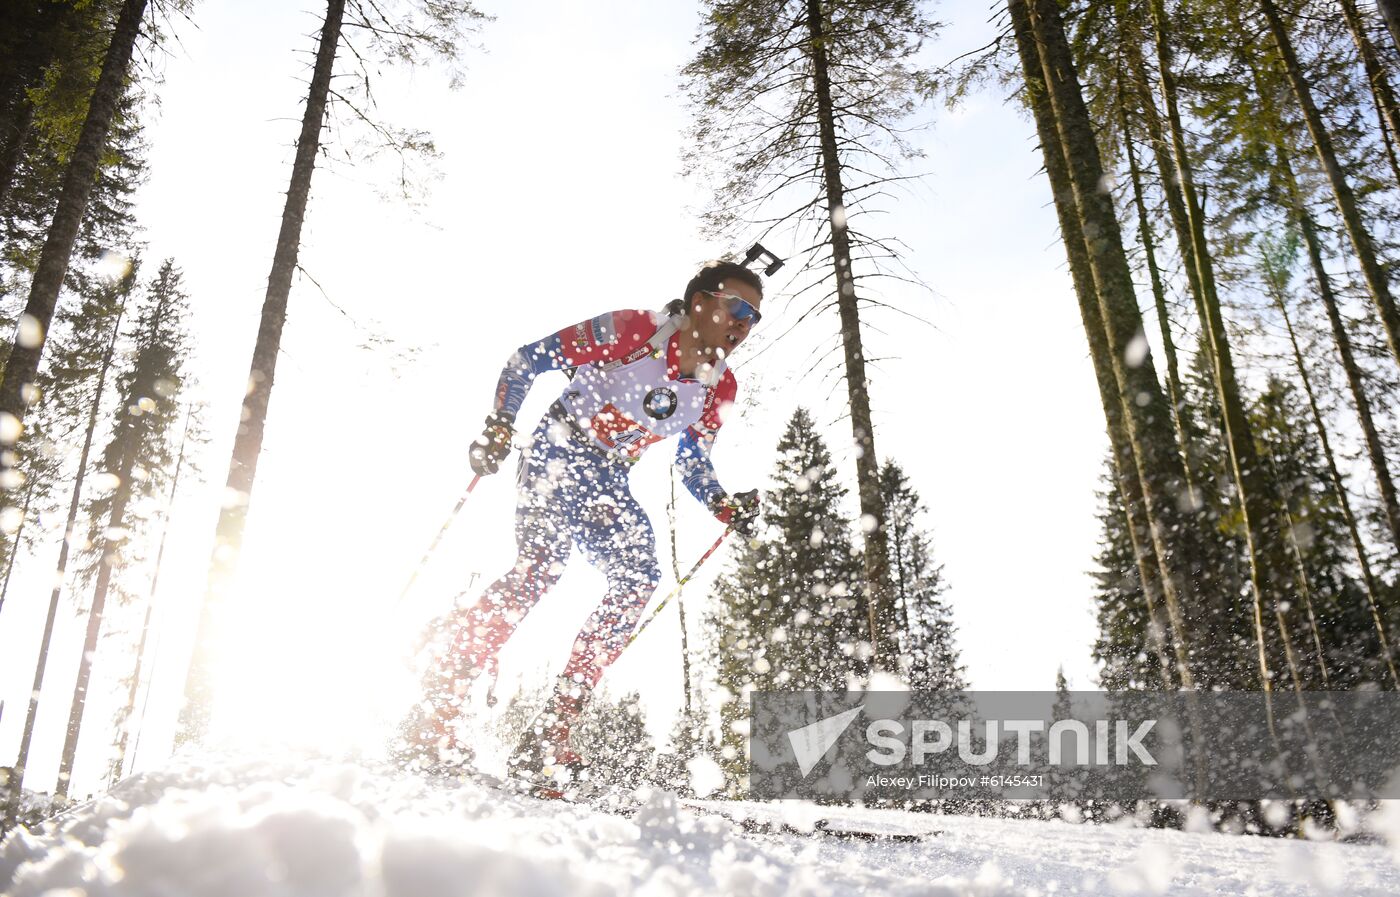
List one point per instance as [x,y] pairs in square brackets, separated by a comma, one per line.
[627,394]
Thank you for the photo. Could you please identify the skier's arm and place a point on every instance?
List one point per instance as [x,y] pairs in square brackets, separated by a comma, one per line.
[696,469]
[608,336]
[693,454]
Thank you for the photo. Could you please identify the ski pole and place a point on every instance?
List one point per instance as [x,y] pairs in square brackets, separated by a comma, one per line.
[446,525]
[679,585]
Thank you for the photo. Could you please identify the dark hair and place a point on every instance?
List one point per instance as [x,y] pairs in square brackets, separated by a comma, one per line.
[711,277]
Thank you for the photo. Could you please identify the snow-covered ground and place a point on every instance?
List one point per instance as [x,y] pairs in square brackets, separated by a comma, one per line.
[246,828]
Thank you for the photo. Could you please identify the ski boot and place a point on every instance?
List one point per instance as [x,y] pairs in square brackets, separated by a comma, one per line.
[543,761]
[427,741]
[428,738]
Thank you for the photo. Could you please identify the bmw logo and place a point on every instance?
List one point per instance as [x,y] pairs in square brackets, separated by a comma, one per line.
[660,403]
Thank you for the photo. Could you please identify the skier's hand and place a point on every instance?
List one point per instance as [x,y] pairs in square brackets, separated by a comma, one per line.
[739,510]
[492,446]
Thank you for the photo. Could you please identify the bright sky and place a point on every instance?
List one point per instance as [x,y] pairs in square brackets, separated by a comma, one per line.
[559,198]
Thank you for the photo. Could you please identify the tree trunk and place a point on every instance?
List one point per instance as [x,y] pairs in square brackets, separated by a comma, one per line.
[1268,557]
[1124,459]
[1296,206]
[23,364]
[61,568]
[1334,478]
[1139,395]
[1386,109]
[1390,12]
[1175,395]
[130,711]
[1376,283]
[12,148]
[15,543]
[37,27]
[1166,173]
[884,656]
[115,520]
[248,443]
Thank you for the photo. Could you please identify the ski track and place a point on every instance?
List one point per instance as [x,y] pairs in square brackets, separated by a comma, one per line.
[240,827]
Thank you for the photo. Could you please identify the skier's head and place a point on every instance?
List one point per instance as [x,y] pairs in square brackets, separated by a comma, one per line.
[721,304]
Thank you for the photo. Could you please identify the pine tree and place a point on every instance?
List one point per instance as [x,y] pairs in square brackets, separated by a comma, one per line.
[139,456]
[1150,471]
[1258,503]
[1341,648]
[1362,241]
[409,34]
[128,719]
[1125,650]
[787,615]
[31,33]
[926,635]
[1063,782]
[689,743]
[22,365]
[799,104]
[92,354]
[613,736]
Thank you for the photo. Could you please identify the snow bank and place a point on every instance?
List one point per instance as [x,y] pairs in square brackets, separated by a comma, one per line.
[240,828]
[236,827]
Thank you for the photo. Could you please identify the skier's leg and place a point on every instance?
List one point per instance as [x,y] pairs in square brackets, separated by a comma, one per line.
[617,537]
[619,540]
[469,639]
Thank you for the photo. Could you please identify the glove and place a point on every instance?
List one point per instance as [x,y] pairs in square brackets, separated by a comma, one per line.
[492,446]
[739,510]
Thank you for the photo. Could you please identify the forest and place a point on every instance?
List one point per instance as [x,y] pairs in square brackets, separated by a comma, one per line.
[1225,182]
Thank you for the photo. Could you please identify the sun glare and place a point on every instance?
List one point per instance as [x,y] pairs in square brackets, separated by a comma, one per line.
[310,656]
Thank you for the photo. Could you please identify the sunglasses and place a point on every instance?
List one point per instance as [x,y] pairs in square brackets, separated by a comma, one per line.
[739,309]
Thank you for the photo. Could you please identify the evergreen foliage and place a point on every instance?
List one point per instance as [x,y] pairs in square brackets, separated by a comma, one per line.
[929,656]
[787,614]
[689,741]
[146,421]
[613,736]
[798,112]
[138,459]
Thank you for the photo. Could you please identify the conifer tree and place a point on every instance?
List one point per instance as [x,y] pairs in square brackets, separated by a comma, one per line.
[139,456]
[31,38]
[1149,468]
[127,718]
[409,33]
[688,743]
[1338,644]
[798,107]
[1254,490]
[787,615]
[92,357]
[1125,648]
[22,365]
[926,635]
[613,735]
[1343,192]
[1063,782]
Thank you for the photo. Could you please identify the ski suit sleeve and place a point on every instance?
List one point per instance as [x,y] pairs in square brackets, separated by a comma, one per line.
[610,335]
[693,454]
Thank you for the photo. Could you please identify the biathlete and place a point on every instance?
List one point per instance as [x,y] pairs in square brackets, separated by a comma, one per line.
[640,377]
